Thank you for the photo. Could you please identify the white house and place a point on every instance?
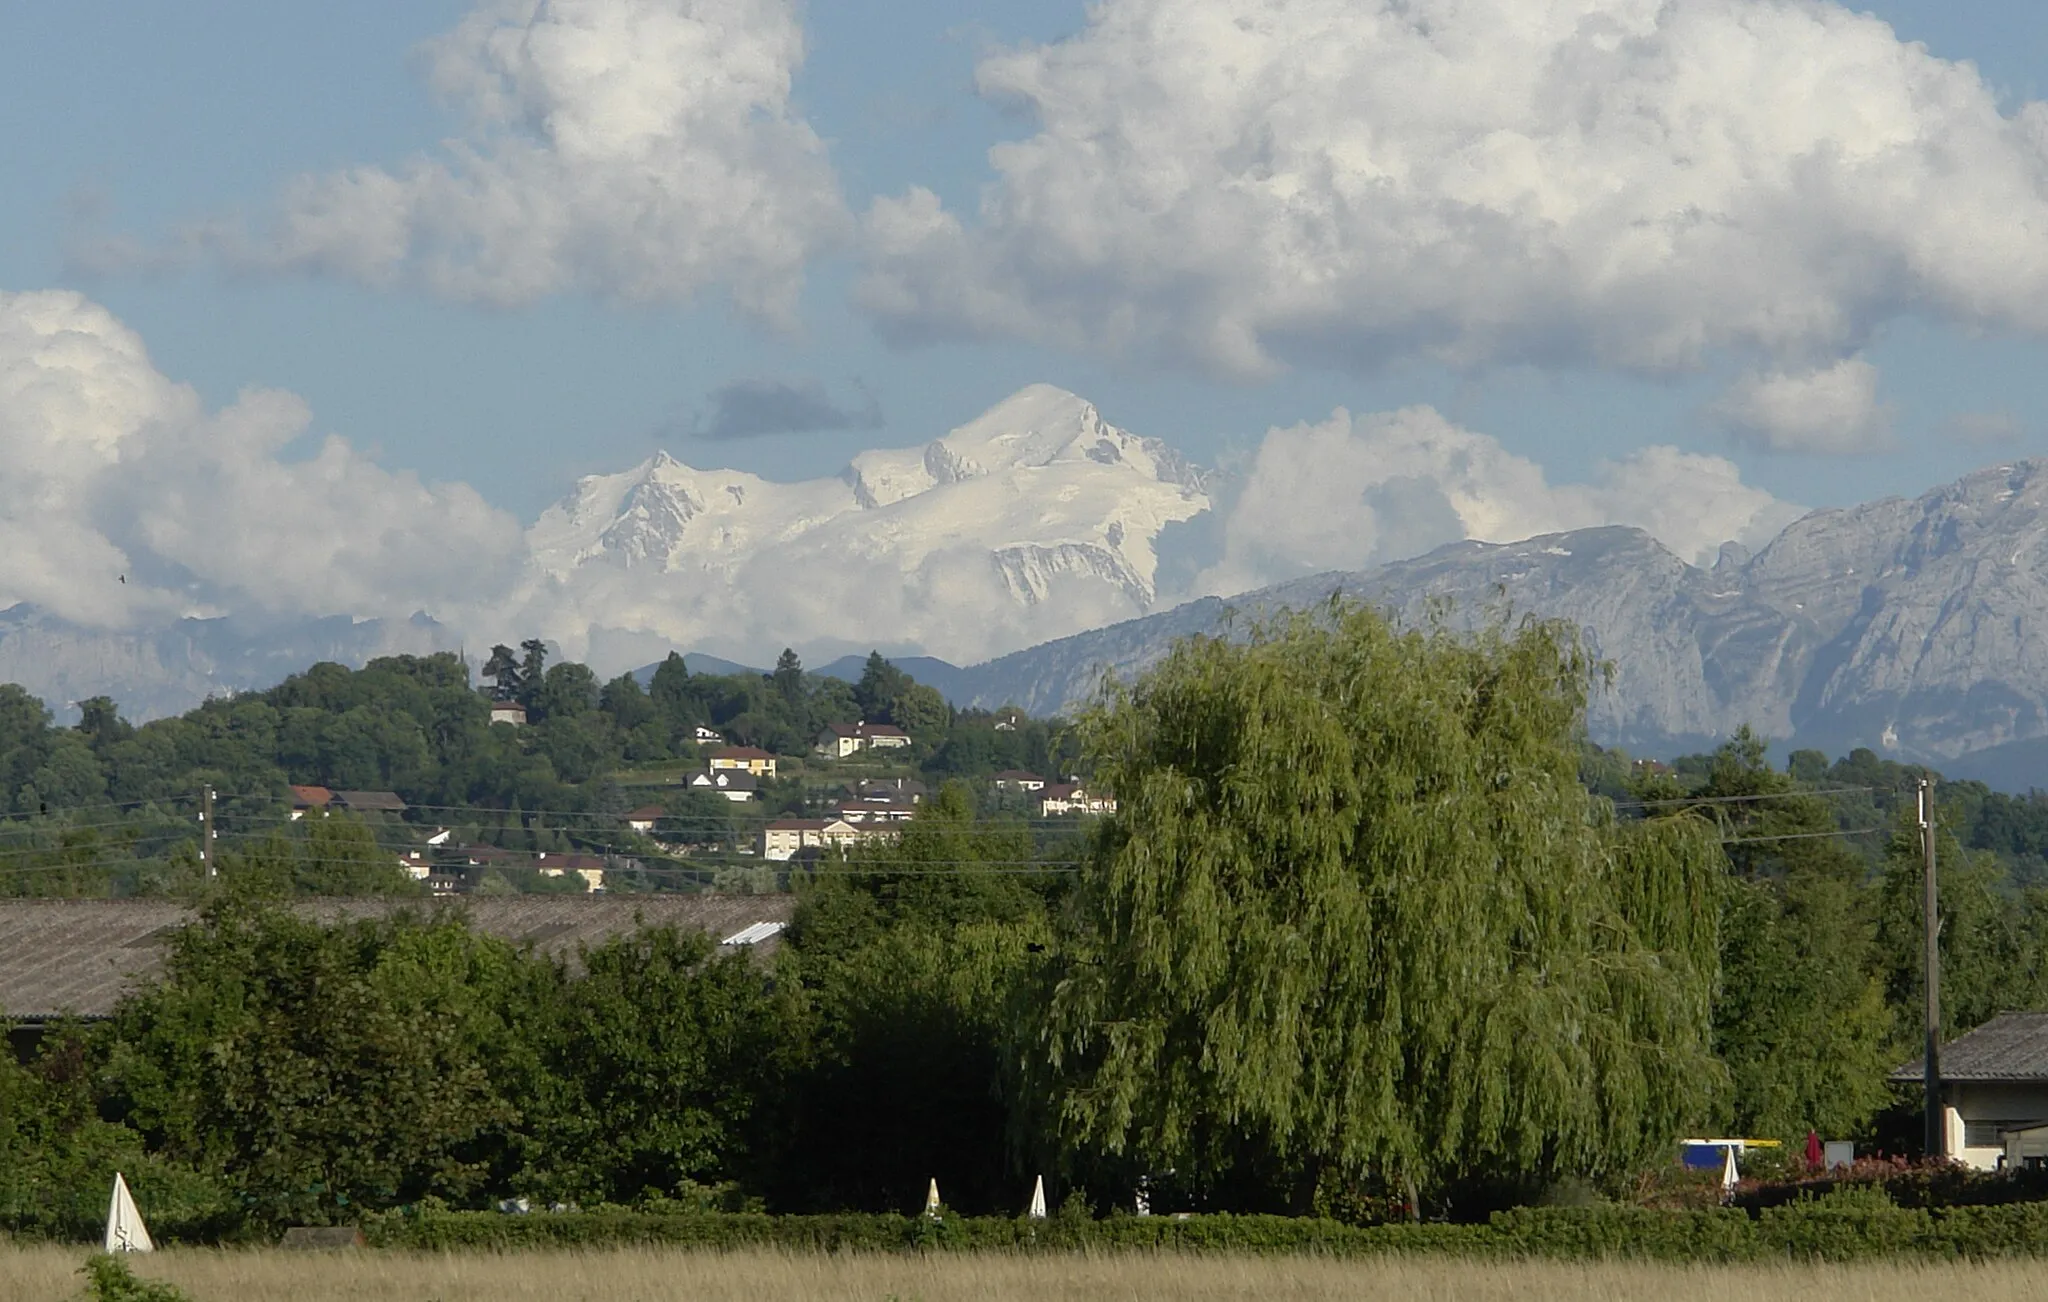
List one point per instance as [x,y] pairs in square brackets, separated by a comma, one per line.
[1059,798]
[876,811]
[843,739]
[1994,1087]
[1018,780]
[708,736]
[511,712]
[783,838]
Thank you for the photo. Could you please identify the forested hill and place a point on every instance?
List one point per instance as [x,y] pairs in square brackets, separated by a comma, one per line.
[418,726]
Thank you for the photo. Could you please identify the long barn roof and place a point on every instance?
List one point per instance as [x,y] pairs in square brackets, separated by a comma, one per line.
[76,958]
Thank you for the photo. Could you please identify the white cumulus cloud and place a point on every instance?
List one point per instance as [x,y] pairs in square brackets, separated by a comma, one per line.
[1633,184]
[123,500]
[1832,409]
[1351,492]
[634,149]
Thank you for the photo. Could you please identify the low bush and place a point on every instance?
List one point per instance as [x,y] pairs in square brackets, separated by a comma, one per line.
[1861,1224]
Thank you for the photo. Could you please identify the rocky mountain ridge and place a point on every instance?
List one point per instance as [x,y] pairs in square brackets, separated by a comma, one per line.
[1919,628]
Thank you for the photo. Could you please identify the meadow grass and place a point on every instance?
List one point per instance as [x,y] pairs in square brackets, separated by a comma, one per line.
[46,1274]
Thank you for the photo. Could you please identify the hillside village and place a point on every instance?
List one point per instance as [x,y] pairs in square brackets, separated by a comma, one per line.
[549,782]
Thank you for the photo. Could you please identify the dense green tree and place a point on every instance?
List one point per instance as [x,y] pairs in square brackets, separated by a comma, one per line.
[912,957]
[566,691]
[1356,924]
[1800,1020]
[879,686]
[697,818]
[533,668]
[921,712]
[335,855]
[660,1053]
[318,1072]
[627,705]
[101,724]
[669,691]
[1991,941]
[56,1150]
[502,668]
[789,678]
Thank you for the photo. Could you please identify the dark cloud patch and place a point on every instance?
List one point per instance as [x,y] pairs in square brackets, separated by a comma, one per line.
[748,409]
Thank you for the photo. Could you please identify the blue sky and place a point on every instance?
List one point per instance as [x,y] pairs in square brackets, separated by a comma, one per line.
[1211,218]
[134,119]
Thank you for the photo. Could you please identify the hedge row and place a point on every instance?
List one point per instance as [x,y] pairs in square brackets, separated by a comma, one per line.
[1834,1229]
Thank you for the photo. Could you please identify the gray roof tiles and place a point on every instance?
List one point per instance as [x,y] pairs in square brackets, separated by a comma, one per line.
[2009,1047]
[78,957]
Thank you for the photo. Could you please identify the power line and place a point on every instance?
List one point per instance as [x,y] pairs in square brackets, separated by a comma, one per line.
[104,804]
[1802,836]
[1736,800]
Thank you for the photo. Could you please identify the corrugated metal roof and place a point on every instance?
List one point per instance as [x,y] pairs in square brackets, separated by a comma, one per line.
[78,957]
[2009,1047]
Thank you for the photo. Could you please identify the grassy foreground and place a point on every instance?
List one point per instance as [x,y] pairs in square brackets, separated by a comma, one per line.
[47,1274]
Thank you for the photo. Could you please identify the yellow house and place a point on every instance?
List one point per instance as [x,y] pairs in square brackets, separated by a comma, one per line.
[743,759]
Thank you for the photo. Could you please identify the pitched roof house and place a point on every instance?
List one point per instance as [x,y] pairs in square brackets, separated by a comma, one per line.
[1994,1086]
[734,784]
[843,739]
[644,818]
[587,866]
[308,799]
[1018,780]
[784,838]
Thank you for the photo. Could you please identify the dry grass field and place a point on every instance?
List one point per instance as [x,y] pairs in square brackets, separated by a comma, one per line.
[40,1274]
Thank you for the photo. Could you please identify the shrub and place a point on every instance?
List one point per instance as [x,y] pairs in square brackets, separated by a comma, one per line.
[107,1279]
[1850,1225]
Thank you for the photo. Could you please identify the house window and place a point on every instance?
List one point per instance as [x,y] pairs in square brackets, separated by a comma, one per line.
[1983,1134]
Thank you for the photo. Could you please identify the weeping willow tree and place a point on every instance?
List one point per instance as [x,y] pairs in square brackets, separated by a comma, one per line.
[1356,921]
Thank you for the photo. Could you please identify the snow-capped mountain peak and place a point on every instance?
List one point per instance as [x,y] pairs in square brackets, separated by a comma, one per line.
[1037,508]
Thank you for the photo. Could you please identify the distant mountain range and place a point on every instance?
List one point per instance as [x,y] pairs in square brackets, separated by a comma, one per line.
[160,671]
[1917,628]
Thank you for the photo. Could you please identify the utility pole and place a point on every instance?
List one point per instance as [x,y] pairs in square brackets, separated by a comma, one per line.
[206,832]
[1930,909]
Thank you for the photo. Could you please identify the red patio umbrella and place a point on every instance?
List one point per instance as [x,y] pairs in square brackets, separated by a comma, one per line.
[1814,1156]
